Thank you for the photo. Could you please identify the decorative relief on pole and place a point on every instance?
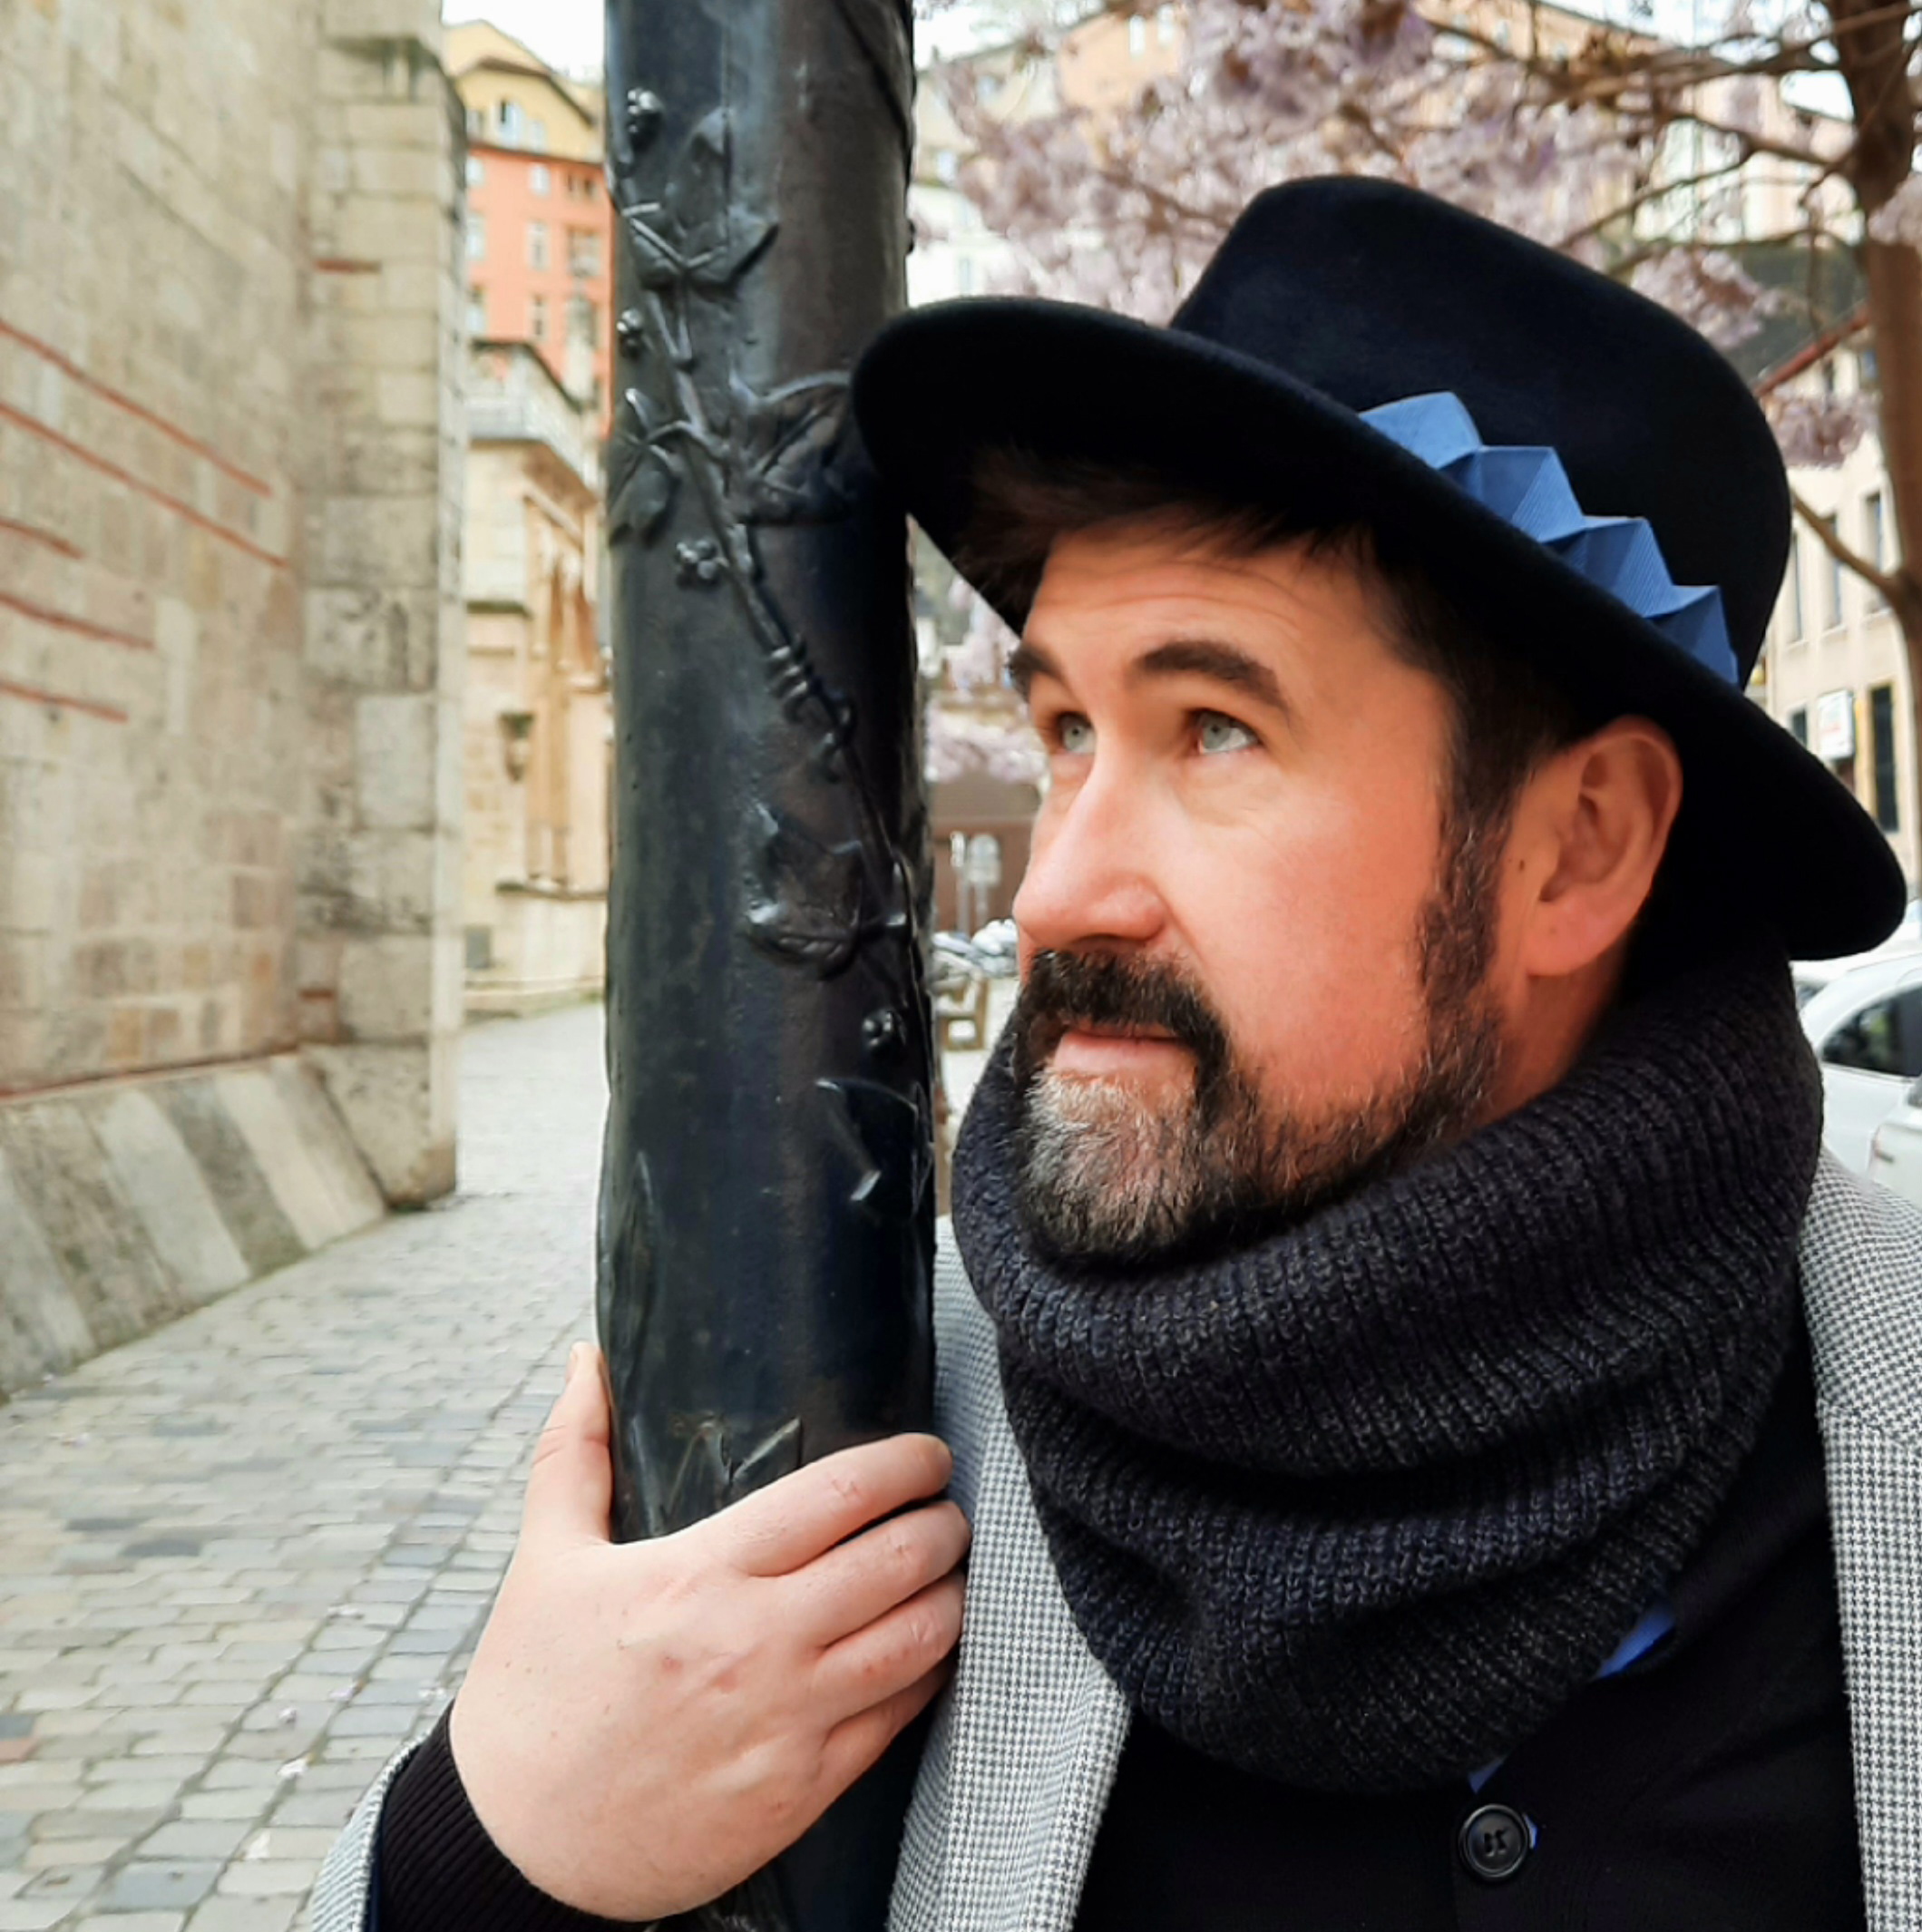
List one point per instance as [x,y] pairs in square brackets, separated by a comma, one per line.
[751,458]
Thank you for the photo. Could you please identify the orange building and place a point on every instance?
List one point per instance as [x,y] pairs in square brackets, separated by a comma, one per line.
[540,225]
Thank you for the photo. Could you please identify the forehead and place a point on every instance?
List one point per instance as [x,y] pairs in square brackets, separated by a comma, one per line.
[1147,580]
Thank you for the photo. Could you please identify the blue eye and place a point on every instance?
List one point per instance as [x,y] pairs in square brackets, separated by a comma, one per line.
[1217,733]
[1076,736]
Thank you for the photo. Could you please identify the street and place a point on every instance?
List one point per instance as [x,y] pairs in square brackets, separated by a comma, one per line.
[244,1558]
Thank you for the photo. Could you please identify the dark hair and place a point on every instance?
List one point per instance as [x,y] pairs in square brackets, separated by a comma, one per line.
[1506,716]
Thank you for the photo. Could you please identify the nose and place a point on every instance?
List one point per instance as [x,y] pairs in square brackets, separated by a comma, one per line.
[1090,879]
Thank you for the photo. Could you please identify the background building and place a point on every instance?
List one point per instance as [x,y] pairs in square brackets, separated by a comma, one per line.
[539,716]
[539,733]
[1835,671]
[540,238]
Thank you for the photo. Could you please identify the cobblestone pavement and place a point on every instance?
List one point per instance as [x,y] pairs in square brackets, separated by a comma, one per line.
[241,1560]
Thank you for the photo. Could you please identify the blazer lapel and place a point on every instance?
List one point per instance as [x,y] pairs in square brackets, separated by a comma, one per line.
[1861,1264]
[1018,1766]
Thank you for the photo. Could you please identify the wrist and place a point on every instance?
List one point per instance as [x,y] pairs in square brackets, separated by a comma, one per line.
[439,1868]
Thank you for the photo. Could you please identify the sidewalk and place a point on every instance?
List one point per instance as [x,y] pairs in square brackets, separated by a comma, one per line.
[243,1559]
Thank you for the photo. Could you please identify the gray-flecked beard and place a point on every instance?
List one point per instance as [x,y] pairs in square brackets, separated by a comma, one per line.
[1106,1172]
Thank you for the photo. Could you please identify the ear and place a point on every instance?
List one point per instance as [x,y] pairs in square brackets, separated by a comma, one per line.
[1591,827]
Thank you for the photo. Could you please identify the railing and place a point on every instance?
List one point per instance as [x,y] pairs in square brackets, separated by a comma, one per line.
[512,397]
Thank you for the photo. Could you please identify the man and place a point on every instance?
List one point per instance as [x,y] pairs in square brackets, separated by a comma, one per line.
[1397,1323]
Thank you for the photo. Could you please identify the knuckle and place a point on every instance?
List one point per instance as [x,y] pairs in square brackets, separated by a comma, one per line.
[848,1488]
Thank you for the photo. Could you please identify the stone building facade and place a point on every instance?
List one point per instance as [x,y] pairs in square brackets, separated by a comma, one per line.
[540,716]
[230,621]
[538,729]
[1834,670]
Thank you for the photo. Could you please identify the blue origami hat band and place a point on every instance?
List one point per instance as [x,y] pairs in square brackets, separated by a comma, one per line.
[1529,488]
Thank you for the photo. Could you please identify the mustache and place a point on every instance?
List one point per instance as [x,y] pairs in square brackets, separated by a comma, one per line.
[1064,990]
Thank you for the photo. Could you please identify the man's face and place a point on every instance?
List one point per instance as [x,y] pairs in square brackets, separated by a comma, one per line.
[1247,984]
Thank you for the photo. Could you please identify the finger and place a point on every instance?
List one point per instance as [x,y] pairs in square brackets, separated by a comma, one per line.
[856,1743]
[893,1652]
[793,1521]
[852,1585]
[571,1487]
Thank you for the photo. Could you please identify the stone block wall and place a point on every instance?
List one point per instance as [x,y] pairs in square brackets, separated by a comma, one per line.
[230,624]
[378,873]
[125,1203]
[151,287]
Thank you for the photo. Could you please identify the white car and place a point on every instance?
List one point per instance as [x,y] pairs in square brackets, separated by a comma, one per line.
[1895,1155]
[1866,1027]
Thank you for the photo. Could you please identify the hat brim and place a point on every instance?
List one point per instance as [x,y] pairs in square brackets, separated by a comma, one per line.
[1783,837]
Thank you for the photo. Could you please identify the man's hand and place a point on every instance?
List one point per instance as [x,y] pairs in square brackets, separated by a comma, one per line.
[645,1725]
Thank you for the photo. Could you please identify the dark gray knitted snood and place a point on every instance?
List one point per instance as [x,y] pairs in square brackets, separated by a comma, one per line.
[1362,1503]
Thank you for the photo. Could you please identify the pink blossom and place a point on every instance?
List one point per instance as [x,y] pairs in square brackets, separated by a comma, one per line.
[1818,432]
[1002,746]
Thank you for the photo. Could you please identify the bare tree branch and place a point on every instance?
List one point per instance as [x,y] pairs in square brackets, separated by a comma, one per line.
[1654,192]
[1887,585]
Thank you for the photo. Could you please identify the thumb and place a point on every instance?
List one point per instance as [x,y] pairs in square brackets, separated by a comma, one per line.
[571,1487]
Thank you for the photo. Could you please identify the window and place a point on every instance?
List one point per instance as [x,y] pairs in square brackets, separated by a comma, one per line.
[537,318]
[476,170]
[1164,25]
[583,320]
[539,181]
[1799,723]
[1885,1038]
[1792,588]
[1882,751]
[476,311]
[1137,37]
[537,244]
[476,237]
[583,252]
[1832,609]
[476,124]
[1874,541]
[537,136]
[507,118]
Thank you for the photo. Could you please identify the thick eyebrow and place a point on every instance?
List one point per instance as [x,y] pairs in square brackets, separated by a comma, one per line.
[1026,663]
[1183,657]
[1206,658]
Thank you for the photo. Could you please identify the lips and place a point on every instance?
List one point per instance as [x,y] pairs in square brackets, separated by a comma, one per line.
[1107,1029]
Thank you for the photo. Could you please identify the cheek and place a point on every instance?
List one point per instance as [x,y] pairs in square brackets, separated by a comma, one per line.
[1305,934]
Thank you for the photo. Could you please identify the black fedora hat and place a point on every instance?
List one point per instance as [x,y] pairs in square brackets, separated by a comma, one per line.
[1580,470]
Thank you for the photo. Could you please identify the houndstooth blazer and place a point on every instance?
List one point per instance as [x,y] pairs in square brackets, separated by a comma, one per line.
[1025,1745]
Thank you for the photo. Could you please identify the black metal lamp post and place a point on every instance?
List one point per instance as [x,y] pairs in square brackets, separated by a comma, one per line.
[766,1193]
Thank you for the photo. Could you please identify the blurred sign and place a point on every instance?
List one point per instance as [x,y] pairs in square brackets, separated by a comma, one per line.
[1835,725]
